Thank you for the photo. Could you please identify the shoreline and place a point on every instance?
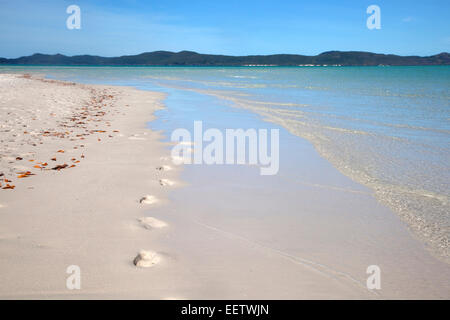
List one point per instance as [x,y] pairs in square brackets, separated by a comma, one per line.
[309,212]
[206,250]
[428,232]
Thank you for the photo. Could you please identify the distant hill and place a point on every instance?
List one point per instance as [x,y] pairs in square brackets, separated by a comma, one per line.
[189,58]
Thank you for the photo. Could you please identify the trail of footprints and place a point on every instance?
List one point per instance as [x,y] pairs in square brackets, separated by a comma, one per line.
[75,124]
[149,258]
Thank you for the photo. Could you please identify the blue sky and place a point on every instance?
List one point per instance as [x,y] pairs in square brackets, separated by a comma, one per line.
[235,27]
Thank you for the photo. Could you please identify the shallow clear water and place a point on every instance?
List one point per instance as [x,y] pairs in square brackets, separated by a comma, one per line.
[385,127]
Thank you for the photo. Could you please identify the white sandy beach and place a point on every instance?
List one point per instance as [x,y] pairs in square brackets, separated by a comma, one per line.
[110,199]
[85,215]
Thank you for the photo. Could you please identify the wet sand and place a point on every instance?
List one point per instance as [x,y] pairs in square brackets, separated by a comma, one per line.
[309,214]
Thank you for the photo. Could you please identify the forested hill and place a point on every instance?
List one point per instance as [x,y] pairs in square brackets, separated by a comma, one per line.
[189,58]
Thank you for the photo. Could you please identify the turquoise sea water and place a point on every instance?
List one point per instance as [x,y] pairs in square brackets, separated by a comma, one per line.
[387,128]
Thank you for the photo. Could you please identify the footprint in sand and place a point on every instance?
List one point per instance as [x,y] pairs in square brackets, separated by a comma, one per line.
[146,259]
[166,182]
[148,199]
[150,223]
[164,168]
